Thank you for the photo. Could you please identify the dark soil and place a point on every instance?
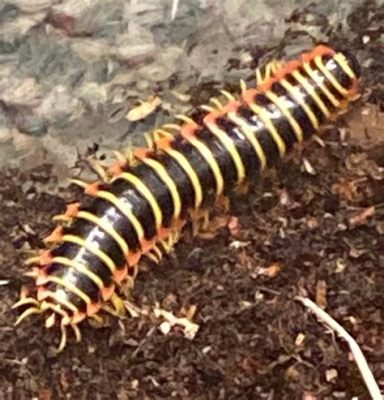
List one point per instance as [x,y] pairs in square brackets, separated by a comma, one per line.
[317,233]
[302,234]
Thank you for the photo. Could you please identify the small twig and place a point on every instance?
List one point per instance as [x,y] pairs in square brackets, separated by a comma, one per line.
[358,355]
[175,5]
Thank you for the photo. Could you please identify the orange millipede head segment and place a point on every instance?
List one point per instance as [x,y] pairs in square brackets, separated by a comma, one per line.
[320,50]
[354,92]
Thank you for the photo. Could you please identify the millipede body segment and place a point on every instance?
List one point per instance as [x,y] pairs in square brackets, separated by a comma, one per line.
[144,201]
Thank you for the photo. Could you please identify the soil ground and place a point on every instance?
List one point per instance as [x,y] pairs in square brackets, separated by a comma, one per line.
[301,231]
[314,227]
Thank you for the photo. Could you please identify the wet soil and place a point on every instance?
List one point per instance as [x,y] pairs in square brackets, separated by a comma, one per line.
[304,230]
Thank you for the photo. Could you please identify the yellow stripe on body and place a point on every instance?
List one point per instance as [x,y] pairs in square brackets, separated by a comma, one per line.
[210,159]
[163,174]
[59,296]
[81,268]
[330,77]
[70,286]
[284,110]
[341,60]
[61,302]
[264,117]
[186,166]
[125,208]
[106,227]
[296,93]
[310,89]
[146,193]
[92,248]
[251,136]
[229,145]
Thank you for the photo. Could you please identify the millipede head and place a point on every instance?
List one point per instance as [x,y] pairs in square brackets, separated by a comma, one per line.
[351,60]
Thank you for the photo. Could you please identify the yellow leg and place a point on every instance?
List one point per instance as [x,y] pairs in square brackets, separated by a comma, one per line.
[268,71]
[243,86]
[118,308]
[184,118]
[200,221]
[228,95]
[216,102]
[99,169]
[207,108]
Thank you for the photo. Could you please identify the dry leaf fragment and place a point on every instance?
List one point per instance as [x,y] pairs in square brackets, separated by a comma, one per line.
[189,328]
[347,189]
[361,217]
[321,294]
[237,244]
[331,374]
[144,109]
[272,271]
[189,311]
[299,339]
[45,394]
[234,226]
[308,167]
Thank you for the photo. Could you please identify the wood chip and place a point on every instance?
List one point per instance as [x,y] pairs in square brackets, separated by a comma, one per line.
[189,328]
[321,294]
[362,216]
[144,109]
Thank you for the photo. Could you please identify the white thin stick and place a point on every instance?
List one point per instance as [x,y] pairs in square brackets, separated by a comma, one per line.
[175,5]
[358,355]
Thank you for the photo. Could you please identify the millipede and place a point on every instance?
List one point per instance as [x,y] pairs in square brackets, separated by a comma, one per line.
[141,203]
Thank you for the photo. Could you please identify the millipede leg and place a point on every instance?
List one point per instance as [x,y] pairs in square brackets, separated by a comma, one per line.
[63,339]
[268,71]
[77,332]
[29,311]
[117,309]
[200,221]
[99,169]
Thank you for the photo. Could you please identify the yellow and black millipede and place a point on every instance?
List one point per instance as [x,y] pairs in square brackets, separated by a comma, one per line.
[145,199]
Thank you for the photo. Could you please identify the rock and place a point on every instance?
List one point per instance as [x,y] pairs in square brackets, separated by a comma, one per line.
[33,125]
[60,106]
[16,92]
[32,6]
[8,12]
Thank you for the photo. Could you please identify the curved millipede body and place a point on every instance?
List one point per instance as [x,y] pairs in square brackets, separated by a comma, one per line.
[145,199]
